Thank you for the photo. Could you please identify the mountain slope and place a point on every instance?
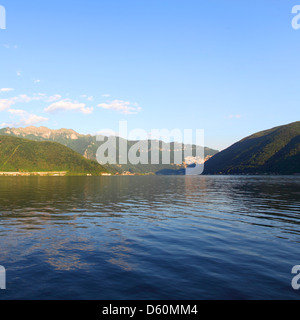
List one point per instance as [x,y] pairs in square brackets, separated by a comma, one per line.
[22,155]
[87,145]
[276,150]
[67,137]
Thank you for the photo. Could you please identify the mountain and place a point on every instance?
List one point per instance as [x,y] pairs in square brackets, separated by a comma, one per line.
[22,155]
[276,150]
[67,137]
[87,145]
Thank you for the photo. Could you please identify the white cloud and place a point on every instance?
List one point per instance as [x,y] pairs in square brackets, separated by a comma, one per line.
[7,46]
[5,104]
[40,95]
[53,98]
[234,116]
[106,133]
[124,107]
[68,105]
[32,119]
[37,81]
[6,89]
[17,112]
[106,95]
[22,98]
[26,119]
[88,98]
[19,73]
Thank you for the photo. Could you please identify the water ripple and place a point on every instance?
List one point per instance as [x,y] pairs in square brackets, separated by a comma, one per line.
[149,237]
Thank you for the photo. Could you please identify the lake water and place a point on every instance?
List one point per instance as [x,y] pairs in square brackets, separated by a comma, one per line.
[206,237]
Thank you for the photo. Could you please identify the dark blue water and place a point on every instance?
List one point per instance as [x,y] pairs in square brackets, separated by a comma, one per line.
[149,237]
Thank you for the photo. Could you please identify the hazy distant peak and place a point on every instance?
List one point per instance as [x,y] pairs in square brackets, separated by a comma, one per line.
[43,132]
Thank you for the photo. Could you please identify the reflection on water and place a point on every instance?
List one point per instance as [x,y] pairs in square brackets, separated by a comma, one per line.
[149,237]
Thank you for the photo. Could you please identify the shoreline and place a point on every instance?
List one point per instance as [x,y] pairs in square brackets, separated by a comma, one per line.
[27,174]
[65,174]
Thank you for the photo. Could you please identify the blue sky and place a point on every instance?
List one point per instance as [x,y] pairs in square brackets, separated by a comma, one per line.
[228,67]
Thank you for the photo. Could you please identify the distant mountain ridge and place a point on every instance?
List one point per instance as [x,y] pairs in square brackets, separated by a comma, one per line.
[276,150]
[23,155]
[67,137]
[87,145]
[272,151]
[43,132]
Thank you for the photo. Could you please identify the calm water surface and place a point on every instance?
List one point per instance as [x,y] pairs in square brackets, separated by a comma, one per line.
[149,237]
